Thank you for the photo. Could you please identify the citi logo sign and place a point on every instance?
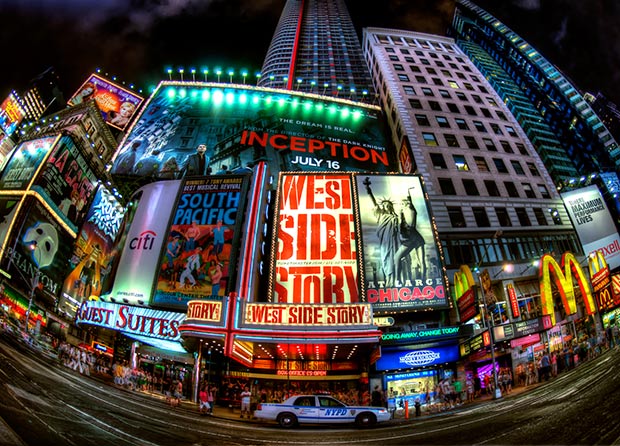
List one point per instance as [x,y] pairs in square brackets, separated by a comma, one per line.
[143,242]
[419,357]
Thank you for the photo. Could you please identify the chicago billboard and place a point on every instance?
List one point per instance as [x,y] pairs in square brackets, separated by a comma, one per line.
[240,126]
[402,269]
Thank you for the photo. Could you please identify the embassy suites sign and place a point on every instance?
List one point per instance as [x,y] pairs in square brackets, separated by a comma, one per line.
[423,335]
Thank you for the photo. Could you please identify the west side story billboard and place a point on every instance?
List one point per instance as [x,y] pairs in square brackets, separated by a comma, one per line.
[243,125]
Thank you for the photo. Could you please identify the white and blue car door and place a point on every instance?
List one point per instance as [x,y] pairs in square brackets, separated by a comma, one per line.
[306,410]
[333,411]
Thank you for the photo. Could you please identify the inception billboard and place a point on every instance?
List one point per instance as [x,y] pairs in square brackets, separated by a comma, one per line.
[291,131]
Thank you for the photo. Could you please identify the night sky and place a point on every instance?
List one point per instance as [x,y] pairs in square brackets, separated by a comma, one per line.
[136,40]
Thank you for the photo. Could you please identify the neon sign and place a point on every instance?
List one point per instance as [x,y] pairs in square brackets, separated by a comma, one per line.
[564,282]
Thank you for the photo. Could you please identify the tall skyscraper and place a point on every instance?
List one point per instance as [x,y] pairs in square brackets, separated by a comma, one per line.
[492,198]
[315,49]
[570,138]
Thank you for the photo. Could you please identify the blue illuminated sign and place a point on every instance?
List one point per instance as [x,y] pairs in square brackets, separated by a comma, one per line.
[408,359]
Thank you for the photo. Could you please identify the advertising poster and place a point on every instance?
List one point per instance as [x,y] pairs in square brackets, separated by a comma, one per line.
[8,209]
[593,223]
[143,235]
[67,182]
[117,104]
[11,115]
[393,359]
[41,247]
[199,257]
[241,126]
[317,251]
[130,320]
[24,162]
[401,262]
[91,261]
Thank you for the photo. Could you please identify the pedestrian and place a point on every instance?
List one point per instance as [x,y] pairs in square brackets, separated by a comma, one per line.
[178,392]
[245,402]
[203,397]
[211,391]
[376,400]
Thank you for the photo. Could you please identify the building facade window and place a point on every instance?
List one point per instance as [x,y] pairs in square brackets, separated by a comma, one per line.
[446,186]
[502,217]
[438,161]
[457,219]
[470,187]
[481,217]
[429,139]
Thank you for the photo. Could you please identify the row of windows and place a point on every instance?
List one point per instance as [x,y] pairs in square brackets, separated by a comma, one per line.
[471,188]
[451,140]
[505,249]
[460,162]
[457,217]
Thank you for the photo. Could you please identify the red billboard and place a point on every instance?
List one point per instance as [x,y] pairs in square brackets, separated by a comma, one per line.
[317,251]
[67,182]
[117,104]
[402,269]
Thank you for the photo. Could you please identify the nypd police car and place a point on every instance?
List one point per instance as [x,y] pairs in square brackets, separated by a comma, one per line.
[319,409]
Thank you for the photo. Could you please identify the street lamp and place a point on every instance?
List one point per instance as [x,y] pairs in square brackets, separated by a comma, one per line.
[498,392]
[34,283]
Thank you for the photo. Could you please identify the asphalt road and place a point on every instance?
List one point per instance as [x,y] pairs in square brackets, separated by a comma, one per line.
[46,404]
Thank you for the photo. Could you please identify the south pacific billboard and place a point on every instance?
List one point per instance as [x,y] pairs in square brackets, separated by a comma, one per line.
[240,126]
[91,261]
[593,223]
[402,269]
[199,258]
[317,256]
[117,104]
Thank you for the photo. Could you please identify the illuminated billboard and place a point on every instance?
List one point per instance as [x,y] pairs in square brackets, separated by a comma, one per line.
[67,182]
[40,245]
[140,241]
[24,163]
[11,114]
[593,223]
[240,126]
[91,261]
[117,104]
[402,269]
[199,259]
[8,210]
[136,322]
[317,251]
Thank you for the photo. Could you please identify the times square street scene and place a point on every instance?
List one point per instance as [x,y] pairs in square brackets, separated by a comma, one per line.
[275,258]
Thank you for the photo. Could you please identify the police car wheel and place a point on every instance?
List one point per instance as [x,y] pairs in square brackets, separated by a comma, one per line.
[366,419]
[287,419]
